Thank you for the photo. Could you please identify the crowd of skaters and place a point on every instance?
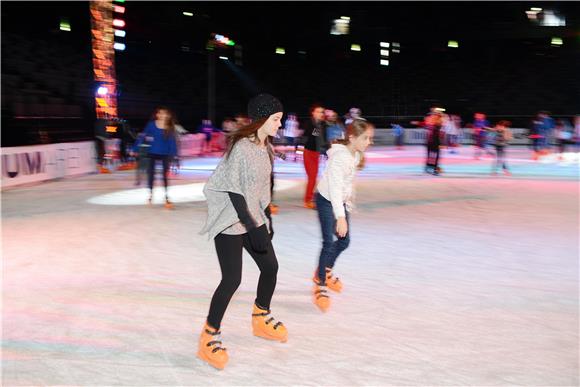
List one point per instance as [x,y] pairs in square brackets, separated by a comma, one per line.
[445,130]
[313,136]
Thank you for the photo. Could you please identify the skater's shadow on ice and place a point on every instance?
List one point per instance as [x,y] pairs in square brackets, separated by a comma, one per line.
[417,202]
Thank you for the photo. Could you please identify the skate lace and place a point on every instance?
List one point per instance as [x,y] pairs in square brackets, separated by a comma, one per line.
[330,277]
[217,343]
[320,293]
[268,321]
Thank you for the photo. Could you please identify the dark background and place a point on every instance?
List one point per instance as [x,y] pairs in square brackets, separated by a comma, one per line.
[504,66]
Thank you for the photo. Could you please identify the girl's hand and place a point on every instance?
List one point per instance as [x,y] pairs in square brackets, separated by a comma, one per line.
[341,227]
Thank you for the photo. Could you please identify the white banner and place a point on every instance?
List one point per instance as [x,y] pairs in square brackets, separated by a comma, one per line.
[28,164]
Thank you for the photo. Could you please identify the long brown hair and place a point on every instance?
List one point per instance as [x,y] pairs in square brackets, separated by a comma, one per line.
[250,130]
[356,128]
[169,123]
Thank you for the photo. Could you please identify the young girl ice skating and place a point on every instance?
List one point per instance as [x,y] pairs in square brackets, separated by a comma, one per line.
[238,198]
[333,203]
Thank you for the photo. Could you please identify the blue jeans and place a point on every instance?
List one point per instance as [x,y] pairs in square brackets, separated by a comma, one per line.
[331,248]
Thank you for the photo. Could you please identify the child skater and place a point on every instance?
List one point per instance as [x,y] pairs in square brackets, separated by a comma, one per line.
[238,197]
[503,135]
[333,203]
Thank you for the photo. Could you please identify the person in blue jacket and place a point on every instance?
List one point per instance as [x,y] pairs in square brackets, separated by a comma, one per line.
[160,134]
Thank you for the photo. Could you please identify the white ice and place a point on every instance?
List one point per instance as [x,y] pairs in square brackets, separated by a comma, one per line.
[462,279]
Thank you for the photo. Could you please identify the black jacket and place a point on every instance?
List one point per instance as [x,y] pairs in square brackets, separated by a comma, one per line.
[315,136]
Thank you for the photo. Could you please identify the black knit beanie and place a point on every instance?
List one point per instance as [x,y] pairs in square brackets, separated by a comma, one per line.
[263,106]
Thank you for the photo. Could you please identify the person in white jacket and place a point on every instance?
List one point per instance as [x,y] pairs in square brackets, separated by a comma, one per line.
[334,203]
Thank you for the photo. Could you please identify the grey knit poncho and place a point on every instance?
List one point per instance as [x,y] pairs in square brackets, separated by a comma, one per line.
[246,172]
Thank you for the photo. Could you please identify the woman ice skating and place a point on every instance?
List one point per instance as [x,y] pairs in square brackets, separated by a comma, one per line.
[160,133]
[238,198]
[334,204]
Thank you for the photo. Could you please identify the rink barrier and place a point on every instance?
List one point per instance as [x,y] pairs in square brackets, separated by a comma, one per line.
[192,144]
[30,164]
[418,136]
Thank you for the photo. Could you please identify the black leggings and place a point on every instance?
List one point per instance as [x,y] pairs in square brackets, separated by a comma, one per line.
[152,163]
[432,156]
[229,251]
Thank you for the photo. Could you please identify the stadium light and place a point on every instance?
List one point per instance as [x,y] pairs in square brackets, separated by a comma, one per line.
[120,33]
[119,46]
[355,47]
[384,62]
[340,26]
[280,50]
[64,25]
[453,44]
[185,13]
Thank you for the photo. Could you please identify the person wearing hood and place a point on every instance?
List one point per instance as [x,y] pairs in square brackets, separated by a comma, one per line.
[334,204]
[238,198]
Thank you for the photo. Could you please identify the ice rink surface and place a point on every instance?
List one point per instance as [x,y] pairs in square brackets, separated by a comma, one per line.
[456,280]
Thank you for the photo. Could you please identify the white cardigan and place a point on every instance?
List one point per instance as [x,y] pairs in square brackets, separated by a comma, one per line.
[337,180]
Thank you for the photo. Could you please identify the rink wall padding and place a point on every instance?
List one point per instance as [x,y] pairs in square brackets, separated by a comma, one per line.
[31,164]
[418,136]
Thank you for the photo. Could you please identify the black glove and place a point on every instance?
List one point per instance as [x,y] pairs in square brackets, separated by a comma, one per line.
[259,239]
[268,213]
